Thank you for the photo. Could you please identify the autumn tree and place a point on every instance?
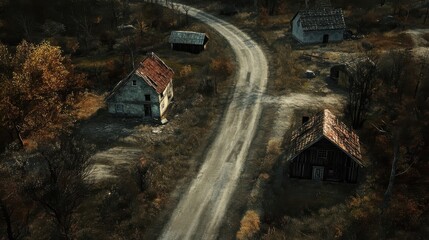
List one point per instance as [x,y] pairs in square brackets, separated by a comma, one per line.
[37,90]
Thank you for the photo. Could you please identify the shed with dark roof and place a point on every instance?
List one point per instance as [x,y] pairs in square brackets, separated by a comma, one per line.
[321,25]
[146,92]
[344,74]
[324,148]
[194,42]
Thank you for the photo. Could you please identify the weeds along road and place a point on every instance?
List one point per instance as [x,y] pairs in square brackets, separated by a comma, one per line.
[201,208]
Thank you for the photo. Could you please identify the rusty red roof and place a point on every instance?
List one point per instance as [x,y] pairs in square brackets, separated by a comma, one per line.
[325,124]
[153,71]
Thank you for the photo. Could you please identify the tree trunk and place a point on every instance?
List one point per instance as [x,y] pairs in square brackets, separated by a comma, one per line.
[426,15]
[18,136]
[6,216]
[389,190]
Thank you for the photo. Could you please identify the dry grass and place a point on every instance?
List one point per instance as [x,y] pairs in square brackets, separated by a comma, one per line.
[249,225]
[88,104]
[390,40]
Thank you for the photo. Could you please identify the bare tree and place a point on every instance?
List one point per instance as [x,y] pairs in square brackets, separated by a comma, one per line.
[361,90]
[396,65]
[186,10]
[15,210]
[61,184]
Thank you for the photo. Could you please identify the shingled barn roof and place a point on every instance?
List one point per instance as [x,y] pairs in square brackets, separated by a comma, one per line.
[153,71]
[321,19]
[326,125]
[187,37]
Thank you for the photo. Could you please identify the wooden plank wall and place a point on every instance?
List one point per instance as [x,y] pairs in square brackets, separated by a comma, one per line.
[328,155]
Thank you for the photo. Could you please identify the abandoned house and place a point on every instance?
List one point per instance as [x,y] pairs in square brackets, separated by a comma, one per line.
[146,92]
[320,25]
[345,73]
[193,42]
[324,148]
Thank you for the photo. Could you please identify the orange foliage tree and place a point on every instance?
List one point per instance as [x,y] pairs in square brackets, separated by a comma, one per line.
[37,87]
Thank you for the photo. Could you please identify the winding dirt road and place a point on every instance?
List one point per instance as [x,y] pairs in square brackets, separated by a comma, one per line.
[201,208]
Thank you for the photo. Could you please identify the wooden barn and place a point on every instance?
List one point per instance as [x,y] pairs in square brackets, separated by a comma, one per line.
[324,148]
[193,42]
[318,25]
[146,92]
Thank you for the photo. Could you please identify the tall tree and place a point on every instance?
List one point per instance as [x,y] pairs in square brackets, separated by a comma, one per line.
[38,90]
[361,90]
[63,183]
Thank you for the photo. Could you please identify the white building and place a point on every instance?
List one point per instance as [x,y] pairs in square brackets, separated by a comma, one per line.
[146,92]
[321,25]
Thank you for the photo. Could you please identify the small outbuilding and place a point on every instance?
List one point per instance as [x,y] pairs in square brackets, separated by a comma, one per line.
[320,25]
[324,148]
[345,73]
[146,92]
[193,42]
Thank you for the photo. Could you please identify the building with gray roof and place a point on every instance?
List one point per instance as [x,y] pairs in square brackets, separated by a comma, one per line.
[194,42]
[320,25]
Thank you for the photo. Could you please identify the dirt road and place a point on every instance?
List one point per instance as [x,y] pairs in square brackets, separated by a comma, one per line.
[201,208]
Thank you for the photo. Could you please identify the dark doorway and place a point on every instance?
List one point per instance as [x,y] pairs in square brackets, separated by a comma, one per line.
[305,119]
[326,38]
[147,110]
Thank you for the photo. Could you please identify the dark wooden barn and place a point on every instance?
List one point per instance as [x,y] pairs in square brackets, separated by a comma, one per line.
[324,148]
[193,42]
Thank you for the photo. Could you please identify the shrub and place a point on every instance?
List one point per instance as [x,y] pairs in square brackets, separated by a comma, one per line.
[185,71]
[249,225]
[274,146]
[222,67]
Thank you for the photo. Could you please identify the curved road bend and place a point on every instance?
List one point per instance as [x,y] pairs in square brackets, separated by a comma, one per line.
[201,209]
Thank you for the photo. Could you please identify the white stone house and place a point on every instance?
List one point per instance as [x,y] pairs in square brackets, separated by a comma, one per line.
[146,92]
[323,25]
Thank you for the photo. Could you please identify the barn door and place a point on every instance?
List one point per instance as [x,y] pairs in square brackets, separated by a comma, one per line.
[318,173]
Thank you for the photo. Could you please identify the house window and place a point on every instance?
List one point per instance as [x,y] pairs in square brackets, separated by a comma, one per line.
[134,82]
[147,97]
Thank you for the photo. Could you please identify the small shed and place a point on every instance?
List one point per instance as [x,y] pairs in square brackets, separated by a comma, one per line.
[193,42]
[146,92]
[319,25]
[324,148]
[345,73]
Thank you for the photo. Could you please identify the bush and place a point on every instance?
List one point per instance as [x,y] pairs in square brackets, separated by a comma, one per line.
[222,67]
[249,225]
[274,146]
